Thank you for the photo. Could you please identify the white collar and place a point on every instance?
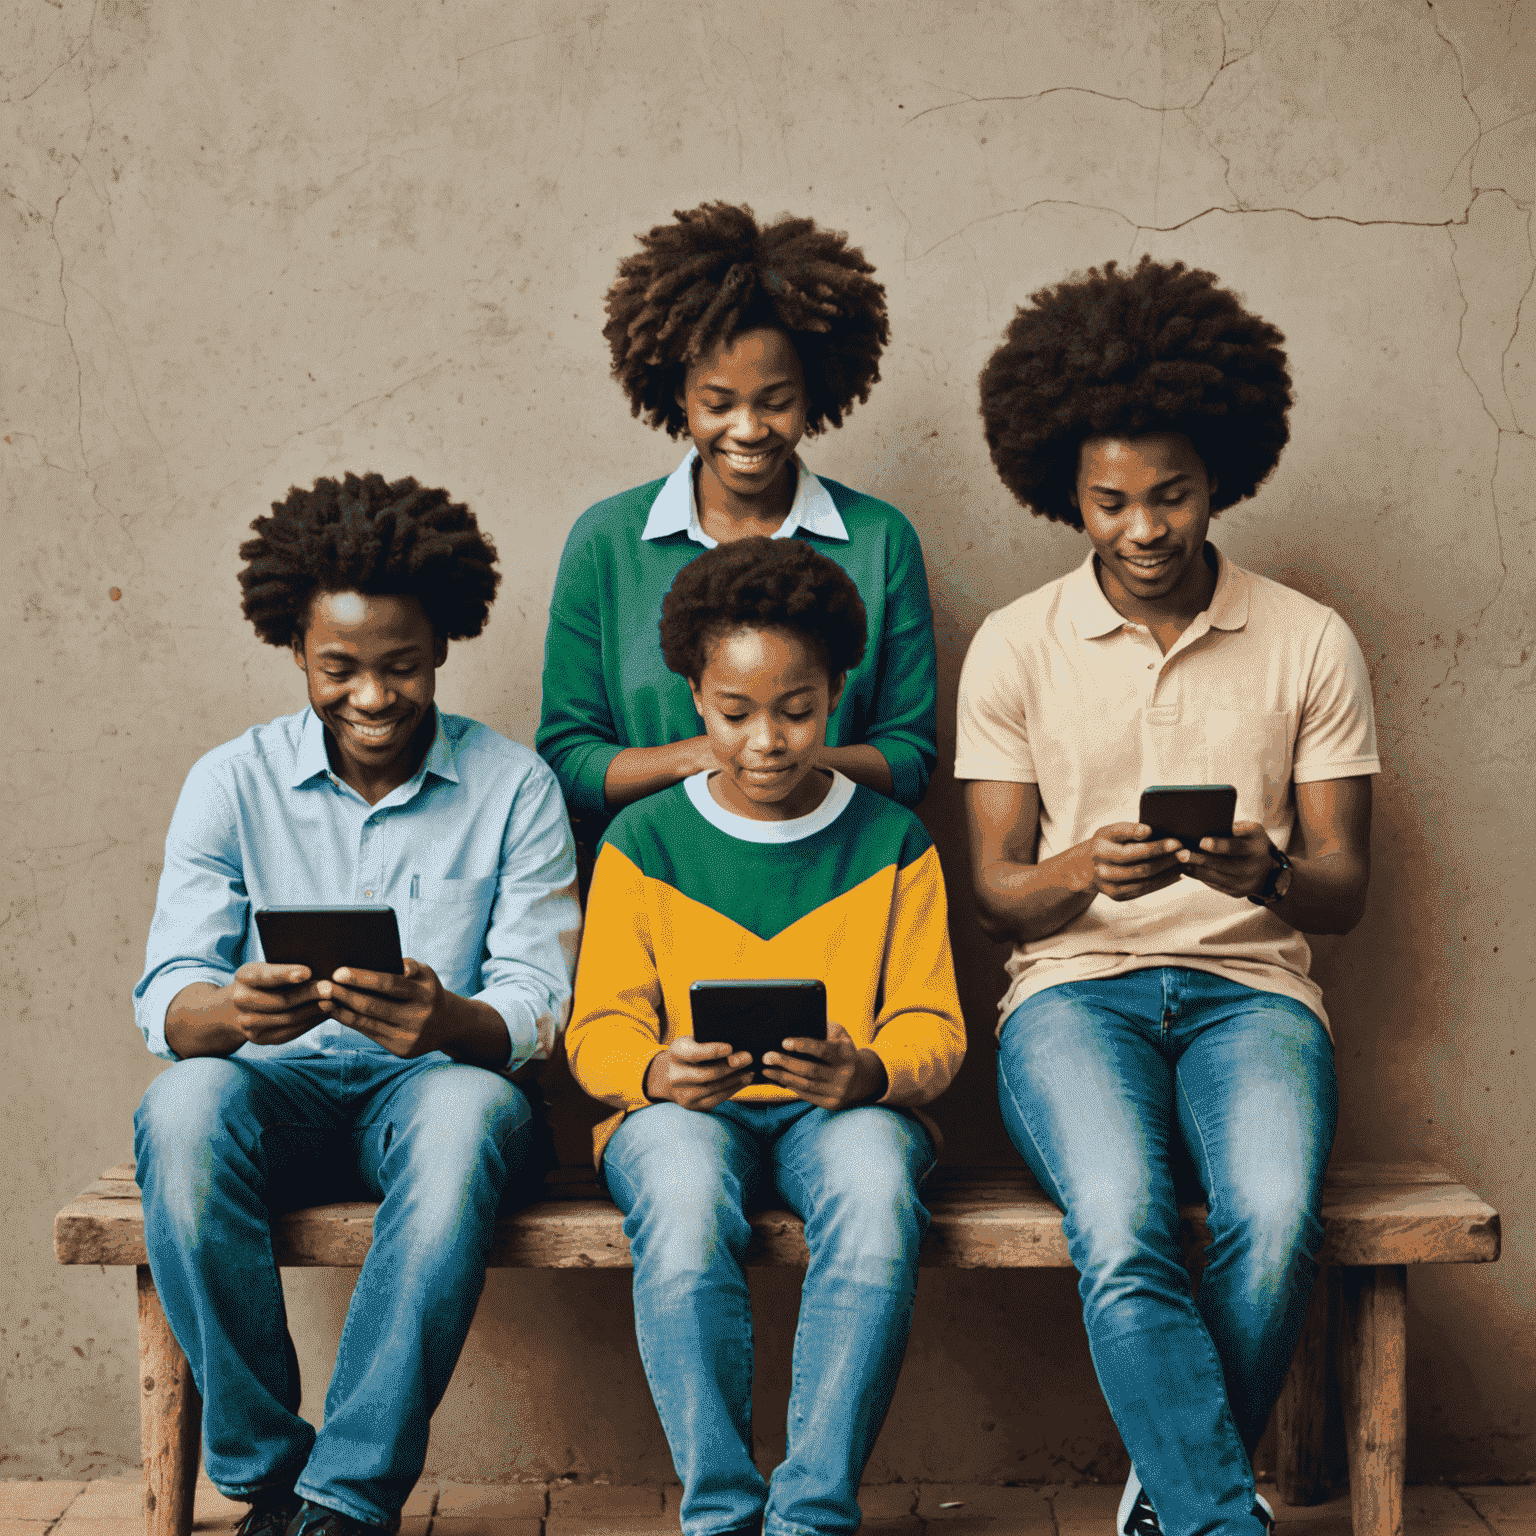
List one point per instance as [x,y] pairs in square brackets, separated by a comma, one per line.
[832,806]
[674,510]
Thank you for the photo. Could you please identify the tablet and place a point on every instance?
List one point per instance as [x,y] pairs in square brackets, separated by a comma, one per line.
[1188,811]
[757,1016]
[327,938]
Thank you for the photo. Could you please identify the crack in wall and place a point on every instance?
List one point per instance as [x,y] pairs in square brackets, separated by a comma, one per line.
[1131,101]
[1188,108]
[1500,431]
[277,450]
[16,101]
[58,245]
[1239,212]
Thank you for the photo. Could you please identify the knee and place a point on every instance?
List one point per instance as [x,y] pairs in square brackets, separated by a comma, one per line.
[492,1111]
[190,1139]
[1117,1232]
[466,1116]
[1268,1223]
[684,1220]
[685,1197]
[186,1109]
[867,1207]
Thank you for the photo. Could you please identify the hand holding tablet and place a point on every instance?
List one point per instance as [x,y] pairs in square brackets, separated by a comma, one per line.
[739,1034]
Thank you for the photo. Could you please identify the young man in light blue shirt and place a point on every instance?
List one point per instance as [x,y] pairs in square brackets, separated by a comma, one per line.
[287,1087]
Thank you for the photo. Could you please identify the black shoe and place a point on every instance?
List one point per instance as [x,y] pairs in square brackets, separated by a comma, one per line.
[271,1510]
[1142,1520]
[316,1520]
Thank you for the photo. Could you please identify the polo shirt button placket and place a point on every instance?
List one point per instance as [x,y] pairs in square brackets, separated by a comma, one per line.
[1165,713]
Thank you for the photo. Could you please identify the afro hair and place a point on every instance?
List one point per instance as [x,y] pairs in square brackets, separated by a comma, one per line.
[761,583]
[1121,354]
[367,535]
[715,273]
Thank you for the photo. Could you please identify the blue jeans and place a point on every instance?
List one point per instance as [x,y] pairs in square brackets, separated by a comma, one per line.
[222,1145]
[683,1180]
[1103,1086]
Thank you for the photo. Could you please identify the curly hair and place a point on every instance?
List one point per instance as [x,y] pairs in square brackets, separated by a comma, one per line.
[761,583]
[367,535]
[1121,354]
[715,273]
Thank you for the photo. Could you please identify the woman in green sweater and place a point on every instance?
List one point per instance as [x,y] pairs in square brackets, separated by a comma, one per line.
[747,339]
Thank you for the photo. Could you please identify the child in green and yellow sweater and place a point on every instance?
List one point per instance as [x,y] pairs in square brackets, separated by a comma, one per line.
[766,867]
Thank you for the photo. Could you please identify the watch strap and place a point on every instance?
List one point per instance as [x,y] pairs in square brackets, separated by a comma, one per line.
[1268,892]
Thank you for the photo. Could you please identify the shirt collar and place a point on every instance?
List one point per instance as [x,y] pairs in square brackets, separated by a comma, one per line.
[676,511]
[312,761]
[1229,602]
[1094,616]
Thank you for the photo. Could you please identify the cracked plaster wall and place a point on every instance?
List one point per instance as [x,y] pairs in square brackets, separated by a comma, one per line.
[244,246]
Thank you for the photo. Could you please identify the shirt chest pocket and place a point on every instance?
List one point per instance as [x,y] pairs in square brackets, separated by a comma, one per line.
[1251,750]
[445,928]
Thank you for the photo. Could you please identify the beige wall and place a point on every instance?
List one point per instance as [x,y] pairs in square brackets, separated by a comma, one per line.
[246,245]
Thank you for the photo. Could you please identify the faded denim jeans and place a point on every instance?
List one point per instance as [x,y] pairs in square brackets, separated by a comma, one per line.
[683,1180]
[222,1145]
[1098,1082]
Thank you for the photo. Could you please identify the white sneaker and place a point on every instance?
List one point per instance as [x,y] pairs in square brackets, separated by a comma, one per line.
[1136,1517]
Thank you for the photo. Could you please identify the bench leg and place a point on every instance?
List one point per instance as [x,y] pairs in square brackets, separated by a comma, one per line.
[1373,1383]
[170,1419]
[1301,1413]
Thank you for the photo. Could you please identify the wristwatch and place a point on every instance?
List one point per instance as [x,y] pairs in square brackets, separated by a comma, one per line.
[1277,882]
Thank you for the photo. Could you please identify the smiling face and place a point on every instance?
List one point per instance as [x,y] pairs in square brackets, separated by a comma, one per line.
[746,406]
[765,697]
[371,664]
[1146,505]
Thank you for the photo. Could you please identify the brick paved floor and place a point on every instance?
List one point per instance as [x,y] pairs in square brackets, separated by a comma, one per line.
[113,1507]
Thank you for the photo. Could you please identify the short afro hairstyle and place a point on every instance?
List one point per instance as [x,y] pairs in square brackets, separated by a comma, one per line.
[1122,354]
[372,536]
[715,273]
[762,583]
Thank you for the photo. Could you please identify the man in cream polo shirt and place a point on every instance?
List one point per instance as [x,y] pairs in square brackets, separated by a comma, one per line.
[1159,1003]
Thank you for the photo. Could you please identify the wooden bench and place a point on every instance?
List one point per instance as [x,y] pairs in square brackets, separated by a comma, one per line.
[1379,1218]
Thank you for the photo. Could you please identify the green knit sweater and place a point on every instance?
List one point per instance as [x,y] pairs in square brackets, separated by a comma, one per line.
[606,686]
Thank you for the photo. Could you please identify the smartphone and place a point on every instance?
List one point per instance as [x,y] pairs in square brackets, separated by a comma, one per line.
[1188,811]
[758,1016]
[327,938]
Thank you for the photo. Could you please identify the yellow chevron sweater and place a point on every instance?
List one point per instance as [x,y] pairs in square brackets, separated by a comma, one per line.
[851,894]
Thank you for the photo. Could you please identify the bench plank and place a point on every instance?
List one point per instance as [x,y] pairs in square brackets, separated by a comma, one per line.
[983,1218]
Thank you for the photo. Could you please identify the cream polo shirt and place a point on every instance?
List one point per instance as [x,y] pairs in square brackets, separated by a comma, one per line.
[1265,689]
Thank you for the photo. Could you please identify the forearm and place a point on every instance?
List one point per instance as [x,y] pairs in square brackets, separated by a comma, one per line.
[1327,895]
[1023,902]
[863,764]
[640,771]
[200,1022]
[474,1032]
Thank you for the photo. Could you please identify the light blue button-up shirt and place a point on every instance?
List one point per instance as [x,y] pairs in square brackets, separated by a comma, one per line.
[676,510]
[474,853]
